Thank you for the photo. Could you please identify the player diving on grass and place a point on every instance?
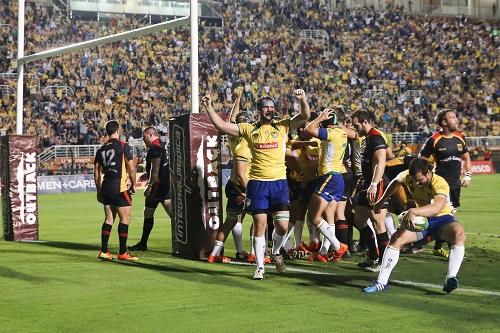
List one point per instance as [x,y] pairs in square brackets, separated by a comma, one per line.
[432,195]
[267,189]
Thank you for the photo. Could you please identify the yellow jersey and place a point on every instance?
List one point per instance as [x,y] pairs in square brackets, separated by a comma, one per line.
[267,143]
[424,195]
[333,143]
[240,152]
[308,159]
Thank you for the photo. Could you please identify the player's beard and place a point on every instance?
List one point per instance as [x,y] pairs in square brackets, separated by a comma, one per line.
[267,116]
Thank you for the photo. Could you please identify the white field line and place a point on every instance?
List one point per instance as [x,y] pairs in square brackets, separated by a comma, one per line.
[402,282]
[482,234]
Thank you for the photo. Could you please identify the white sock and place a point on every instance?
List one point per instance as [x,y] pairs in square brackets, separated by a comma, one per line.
[389,261]
[260,249]
[455,260]
[389,225]
[299,226]
[277,242]
[252,251]
[325,245]
[217,248]
[238,238]
[327,231]
[289,244]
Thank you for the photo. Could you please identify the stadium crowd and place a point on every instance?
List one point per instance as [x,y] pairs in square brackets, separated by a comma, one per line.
[453,61]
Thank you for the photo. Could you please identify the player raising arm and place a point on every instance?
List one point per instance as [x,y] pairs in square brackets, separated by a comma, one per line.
[267,188]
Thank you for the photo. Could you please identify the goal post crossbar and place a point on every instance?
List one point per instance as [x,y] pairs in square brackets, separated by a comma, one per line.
[105,40]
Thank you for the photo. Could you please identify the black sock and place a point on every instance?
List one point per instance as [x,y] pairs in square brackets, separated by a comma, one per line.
[350,229]
[105,232]
[342,231]
[146,229]
[366,234]
[382,240]
[123,235]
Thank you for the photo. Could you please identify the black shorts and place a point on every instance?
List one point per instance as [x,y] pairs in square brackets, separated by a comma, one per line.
[299,192]
[348,185]
[159,194]
[362,200]
[123,199]
[235,196]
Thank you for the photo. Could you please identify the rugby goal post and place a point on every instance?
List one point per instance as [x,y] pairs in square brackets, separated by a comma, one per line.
[196,174]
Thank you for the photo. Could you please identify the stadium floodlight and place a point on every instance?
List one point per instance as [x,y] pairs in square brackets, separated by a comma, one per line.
[21,59]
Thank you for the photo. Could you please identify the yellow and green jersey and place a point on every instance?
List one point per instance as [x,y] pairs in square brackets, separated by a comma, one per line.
[267,143]
[424,195]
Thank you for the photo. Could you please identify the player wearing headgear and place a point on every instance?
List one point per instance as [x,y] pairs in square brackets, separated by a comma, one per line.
[431,193]
[267,189]
[235,188]
[328,187]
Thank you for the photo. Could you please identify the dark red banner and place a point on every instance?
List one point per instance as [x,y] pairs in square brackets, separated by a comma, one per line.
[482,167]
[195,171]
[19,165]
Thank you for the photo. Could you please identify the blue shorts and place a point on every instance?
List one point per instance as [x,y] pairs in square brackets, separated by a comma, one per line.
[267,196]
[235,197]
[329,187]
[435,225]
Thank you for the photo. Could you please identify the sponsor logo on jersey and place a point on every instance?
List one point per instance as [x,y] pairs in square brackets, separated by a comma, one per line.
[460,147]
[269,145]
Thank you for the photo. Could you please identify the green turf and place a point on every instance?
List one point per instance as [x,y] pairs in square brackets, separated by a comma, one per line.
[60,286]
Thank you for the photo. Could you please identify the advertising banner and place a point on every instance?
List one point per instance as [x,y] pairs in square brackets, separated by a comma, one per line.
[195,170]
[19,169]
[482,167]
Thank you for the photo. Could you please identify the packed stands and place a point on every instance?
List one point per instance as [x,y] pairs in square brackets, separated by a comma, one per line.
[401,67]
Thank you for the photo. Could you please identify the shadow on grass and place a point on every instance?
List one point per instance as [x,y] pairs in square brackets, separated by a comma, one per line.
[12,274]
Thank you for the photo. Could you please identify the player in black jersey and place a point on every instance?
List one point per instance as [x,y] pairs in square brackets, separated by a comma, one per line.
[371,189]
[448,148]
[158,189]
[114,176]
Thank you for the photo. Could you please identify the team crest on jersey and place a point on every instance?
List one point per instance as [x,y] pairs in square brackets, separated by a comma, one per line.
[274,135]
[460,147]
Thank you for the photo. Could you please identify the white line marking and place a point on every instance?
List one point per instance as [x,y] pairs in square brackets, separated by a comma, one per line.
[482,234]
[402,282]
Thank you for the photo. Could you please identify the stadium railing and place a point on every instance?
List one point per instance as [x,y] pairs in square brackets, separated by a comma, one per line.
[75,151]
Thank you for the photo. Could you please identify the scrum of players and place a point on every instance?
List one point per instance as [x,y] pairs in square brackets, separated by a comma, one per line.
[333,172]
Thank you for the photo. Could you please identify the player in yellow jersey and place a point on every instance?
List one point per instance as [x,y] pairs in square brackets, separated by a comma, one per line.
[432,195]
[304,152]
[235,188]
[267,190]
[328,187]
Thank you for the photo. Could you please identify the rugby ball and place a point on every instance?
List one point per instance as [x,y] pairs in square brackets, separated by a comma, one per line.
[419,223]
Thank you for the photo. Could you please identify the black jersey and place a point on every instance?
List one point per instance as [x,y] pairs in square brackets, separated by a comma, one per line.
[375,140]
[159,150]
[112,157]
[348,155]
[447,153]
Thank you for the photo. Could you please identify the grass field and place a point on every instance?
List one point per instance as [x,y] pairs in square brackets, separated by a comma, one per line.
[58,285]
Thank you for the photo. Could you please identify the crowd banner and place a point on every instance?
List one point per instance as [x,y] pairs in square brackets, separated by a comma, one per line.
[195,170]
[19,188]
